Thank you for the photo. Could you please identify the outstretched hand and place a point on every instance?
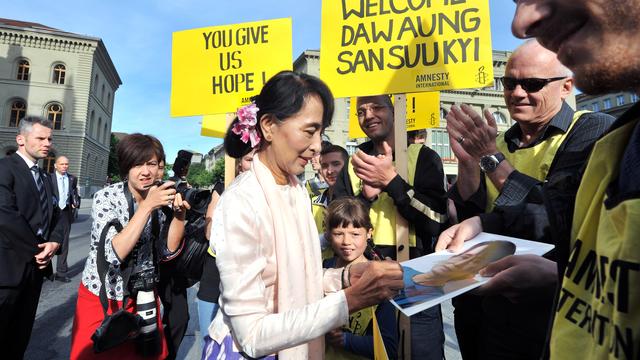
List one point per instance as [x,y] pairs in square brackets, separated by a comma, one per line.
[373,282]
[454,237]
[520,277]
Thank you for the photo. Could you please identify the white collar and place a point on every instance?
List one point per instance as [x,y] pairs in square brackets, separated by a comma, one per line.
[26,159]
[60,175]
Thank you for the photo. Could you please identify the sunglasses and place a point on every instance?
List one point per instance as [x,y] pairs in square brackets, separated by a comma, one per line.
[530,85]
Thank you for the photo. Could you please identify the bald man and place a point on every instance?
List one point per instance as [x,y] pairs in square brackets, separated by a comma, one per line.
[65,187]
[520,183]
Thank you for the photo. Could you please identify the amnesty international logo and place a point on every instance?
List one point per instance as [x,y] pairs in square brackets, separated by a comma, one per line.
[481,76]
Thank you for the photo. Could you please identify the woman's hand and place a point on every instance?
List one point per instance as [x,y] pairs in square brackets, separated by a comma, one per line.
[180,207]
[158,196]
[373,282]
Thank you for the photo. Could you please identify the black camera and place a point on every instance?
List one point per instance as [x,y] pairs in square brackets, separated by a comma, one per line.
[198,199]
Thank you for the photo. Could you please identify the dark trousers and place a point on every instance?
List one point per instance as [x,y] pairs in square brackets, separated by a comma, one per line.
[61,261]
[173,293]
[427,335]
[492,327]
[18,307]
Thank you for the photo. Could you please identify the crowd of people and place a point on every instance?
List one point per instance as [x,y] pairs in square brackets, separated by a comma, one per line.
[295,270]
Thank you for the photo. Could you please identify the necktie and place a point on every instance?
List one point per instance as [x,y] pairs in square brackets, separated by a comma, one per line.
[62,202]
[43,200]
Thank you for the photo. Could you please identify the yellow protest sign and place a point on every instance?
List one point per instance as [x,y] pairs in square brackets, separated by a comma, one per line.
[404,46]
[214,125]
[217,69]
[423,112]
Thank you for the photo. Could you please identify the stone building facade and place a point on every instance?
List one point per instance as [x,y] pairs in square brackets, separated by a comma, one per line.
[68,78]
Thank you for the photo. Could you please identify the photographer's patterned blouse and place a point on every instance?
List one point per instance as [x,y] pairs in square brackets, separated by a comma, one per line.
[108,204]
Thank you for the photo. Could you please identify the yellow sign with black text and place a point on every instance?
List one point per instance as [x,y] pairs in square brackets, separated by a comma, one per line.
[423,112]
[217,69]
[404,46]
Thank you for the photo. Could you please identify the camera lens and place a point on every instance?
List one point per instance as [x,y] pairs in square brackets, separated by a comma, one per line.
[148,342]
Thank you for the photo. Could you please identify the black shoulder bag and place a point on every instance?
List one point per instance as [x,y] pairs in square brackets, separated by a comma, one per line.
[121,325]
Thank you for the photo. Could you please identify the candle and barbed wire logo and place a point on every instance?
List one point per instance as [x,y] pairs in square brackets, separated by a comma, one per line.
[481,76]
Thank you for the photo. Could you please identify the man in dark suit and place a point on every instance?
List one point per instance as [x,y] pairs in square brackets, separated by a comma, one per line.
[29,234]
[65,189]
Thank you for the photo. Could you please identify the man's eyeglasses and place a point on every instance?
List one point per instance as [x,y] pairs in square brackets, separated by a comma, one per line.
[374,108]
[530,85]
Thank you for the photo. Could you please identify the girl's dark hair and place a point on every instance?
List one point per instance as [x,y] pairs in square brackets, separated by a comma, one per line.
[282,96]
[136,149]
[347,211]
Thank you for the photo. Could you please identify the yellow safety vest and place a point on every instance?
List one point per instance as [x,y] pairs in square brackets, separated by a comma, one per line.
[598,314]
[533,161]
[383,211]
[359,321]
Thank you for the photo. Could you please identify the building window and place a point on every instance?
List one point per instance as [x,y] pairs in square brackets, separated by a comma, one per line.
[90,125]
[620,100]
[59,73]
[95,85]
[606,104]
[440,143]
[102,94]
[634,97]
[497,84]
[595,106]
[18,111]
[443,113]
[98,134]
[500,118]
[48,162]
[54,113]
[109,101]
[104,134]
[23,70]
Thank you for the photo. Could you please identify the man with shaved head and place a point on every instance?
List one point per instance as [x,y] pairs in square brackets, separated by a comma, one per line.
[521,183]
[65,187]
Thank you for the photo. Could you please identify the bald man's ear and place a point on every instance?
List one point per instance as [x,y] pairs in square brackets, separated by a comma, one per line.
[567,87]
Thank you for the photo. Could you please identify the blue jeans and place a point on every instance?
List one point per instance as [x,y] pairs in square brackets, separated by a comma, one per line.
[427,335]
[206,312]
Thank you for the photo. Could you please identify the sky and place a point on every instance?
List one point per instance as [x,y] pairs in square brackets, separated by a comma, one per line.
[137,35]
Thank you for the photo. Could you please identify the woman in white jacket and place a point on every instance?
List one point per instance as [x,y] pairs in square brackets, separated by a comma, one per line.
[275,296]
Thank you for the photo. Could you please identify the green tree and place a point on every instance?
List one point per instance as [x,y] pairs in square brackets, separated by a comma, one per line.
[199,177]
[218,171]
[112,168]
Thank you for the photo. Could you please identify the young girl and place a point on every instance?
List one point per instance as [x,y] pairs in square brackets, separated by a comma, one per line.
[348,229]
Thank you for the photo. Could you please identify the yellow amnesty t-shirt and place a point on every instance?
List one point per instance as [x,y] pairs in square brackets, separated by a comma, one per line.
[598,313]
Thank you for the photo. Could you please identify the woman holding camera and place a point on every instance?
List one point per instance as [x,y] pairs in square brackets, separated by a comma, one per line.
[275,297]
[129,238]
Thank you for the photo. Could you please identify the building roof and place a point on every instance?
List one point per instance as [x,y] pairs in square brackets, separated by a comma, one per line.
[26,25]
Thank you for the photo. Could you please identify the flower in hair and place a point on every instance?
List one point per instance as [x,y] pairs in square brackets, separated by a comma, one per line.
[246,125]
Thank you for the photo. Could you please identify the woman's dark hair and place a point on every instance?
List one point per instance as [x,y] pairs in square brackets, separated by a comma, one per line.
[347,211]
[283,96]
[136,149]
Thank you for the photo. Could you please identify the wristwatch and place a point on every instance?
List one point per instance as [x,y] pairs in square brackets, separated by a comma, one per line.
[489,163]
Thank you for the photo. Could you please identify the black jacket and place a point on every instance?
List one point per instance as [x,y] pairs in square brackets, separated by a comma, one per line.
[20,218]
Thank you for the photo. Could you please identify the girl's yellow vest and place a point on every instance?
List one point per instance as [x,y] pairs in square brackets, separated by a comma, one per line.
[359,321]
[534,161]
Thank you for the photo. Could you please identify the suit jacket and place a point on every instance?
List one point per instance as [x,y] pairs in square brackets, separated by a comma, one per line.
[72,193]
[20,219]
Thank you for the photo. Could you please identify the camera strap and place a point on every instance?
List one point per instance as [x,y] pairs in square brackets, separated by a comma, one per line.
[101,264]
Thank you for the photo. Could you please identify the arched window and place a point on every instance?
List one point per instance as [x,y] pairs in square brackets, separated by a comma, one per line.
[500,118]
[54,113]
[18,111]
[23,70]
[59,73]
